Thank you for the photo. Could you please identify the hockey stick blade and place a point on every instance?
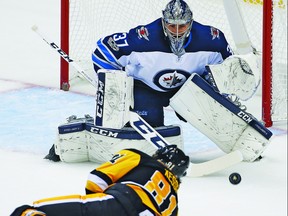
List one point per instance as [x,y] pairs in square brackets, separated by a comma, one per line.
[215,165]
[195,170]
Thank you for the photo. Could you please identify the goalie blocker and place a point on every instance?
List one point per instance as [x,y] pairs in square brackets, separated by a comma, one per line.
[229,127]
[113,99]
[79,140]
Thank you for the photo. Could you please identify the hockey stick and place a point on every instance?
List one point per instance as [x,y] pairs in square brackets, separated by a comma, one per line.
[195,170]
[151,135]
[66,57]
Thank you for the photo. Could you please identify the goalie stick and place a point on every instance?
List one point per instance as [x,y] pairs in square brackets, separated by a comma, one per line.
[65,57]
[195,170]
[150,134]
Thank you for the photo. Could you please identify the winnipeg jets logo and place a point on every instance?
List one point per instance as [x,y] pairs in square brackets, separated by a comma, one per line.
[170,79]
[143,33]
[214,33]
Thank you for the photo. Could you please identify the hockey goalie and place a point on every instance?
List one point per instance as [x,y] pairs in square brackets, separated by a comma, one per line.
[174,61]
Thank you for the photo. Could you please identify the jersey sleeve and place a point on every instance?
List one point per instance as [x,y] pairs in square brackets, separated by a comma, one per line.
[105,55]
[209,38]
[225,48]
[108,173]
[218,42]
[111,48]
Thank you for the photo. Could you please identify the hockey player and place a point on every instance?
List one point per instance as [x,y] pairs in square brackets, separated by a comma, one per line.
[161,56]
[172,61]
[131,183]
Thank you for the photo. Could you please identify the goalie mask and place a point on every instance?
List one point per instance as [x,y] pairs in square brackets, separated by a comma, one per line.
[177,22]
[174,158]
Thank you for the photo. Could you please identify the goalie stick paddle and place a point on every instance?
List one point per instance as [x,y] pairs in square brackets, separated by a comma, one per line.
[195,170]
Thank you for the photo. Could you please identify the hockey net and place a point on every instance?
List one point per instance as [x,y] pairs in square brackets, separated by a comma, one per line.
[84,22]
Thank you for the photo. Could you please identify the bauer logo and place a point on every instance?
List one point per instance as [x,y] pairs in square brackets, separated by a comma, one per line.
[173,79]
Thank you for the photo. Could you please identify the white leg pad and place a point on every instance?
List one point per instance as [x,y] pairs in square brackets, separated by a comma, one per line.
[219,119]
[72,147]
[71,142]
[80,141]
[251,144]
[104,142]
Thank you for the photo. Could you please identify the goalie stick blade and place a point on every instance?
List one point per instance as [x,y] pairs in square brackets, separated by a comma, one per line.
[215,165]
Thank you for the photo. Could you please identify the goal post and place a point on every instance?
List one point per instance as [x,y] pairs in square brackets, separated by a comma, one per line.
[267,63]
[64,40]
[258,25]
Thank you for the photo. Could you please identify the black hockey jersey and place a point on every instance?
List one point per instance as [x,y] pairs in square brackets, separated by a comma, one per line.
[152,181]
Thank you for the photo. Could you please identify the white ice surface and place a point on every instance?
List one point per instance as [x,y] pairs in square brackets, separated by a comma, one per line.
[32,108]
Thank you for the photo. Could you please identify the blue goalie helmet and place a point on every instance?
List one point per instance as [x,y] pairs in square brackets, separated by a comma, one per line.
[177,21]
[173,158]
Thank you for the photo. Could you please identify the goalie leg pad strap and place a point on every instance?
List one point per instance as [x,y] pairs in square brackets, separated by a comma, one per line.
[219,119]
[114,98]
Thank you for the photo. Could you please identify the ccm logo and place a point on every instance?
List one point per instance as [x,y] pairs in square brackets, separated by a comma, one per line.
[100,99]
[61,52]
[147,133]
[103,132]
[245,116]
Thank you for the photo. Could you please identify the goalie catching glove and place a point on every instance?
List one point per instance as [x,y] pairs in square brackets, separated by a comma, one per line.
[238,75]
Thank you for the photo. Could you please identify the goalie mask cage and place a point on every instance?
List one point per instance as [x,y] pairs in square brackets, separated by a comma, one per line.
[258,25]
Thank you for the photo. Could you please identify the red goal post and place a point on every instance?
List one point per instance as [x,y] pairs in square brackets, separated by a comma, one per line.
[260,25]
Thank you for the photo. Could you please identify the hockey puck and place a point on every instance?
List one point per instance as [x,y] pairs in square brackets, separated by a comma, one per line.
[235,178]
